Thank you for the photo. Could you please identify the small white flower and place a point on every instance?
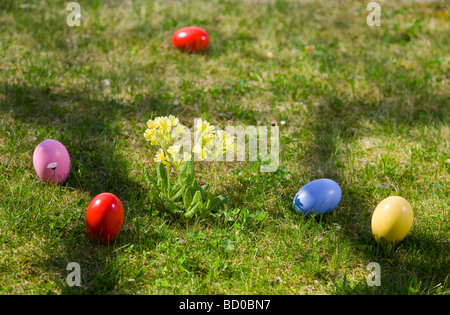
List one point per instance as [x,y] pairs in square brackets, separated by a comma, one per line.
[106,82]
[52,165]
[319,237]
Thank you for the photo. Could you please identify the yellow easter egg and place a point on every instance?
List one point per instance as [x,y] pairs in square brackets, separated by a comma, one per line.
[392,219]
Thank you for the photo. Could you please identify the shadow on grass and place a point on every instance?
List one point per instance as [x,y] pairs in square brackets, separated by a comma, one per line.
[417,263]
[91,130]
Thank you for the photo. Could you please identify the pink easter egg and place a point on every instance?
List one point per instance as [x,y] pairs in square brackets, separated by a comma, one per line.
[51,161]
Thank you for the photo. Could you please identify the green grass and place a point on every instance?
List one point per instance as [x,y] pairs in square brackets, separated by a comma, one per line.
[365,106]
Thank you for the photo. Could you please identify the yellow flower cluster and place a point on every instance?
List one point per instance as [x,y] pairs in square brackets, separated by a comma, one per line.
[160,129]
[203,133]
[208,143]
[162,132]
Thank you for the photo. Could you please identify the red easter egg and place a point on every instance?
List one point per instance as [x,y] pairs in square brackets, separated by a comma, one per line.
[104,217]
[190,39]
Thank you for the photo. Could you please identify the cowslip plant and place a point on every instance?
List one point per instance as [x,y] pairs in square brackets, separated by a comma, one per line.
[182,195]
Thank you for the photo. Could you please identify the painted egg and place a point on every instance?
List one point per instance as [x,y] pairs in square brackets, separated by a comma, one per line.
[104,217]
[190,39]
[318,197]
[392,219]
[51,161]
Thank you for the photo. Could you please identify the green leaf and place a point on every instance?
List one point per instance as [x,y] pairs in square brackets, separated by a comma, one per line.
[202,191]
[197,198]
[227,244]
[175,191]
[260,215]
[175,188]
[163,179]
[194,186]
[187,172]
[187,197]
[170,206]
[191,212]
[177,196]
[217,202]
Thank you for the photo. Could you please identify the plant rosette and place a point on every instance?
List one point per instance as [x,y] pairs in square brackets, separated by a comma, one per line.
[182,195]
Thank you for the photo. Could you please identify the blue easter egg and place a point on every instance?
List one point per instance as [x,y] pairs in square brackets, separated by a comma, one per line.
[318,197]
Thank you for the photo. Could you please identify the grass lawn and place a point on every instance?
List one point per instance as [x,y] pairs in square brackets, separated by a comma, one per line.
[365,106]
